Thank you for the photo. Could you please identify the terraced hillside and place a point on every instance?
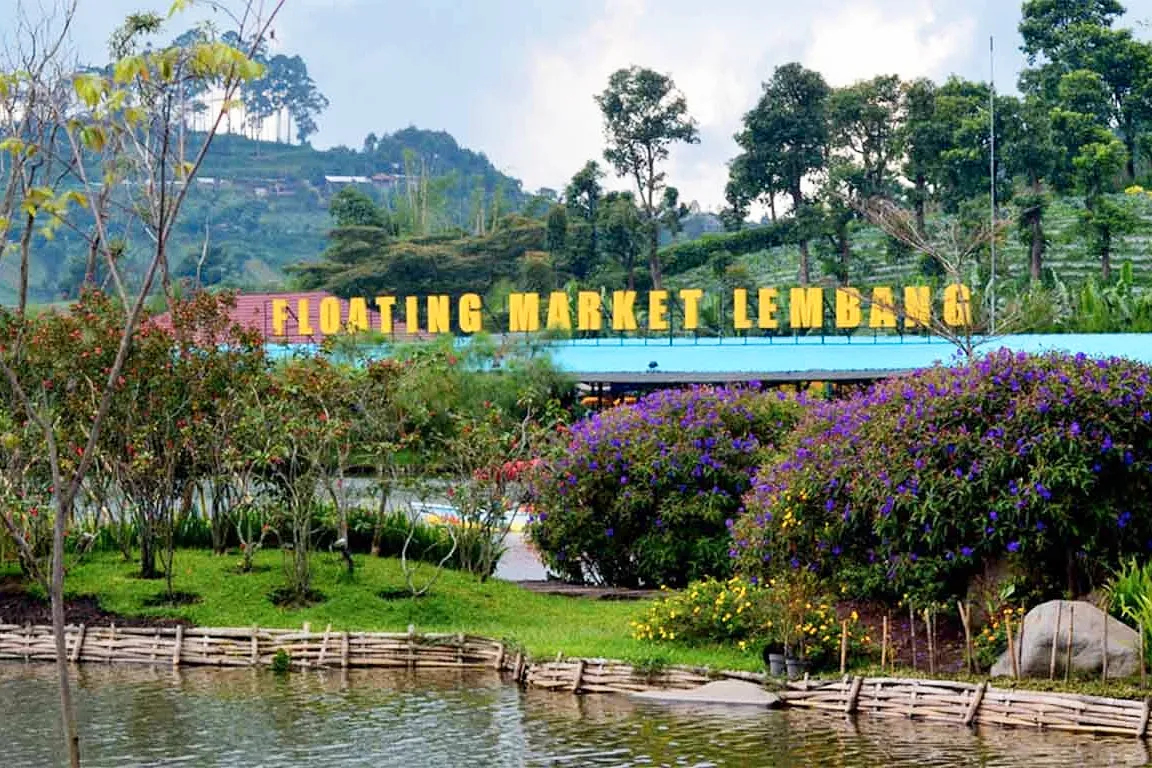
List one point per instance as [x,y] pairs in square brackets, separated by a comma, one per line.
[1069,256]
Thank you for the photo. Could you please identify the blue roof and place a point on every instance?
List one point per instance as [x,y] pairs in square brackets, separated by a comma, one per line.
[791,356]
[807,354]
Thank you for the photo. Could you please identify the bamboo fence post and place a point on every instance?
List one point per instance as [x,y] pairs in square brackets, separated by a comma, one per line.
[912,632]
[1012,648]
[965,617]
[254,650]
[27,641]
[974,705]
[912,699]
[854,695]
[1143,666]
[1055,640]
[1142,729]
[111,642]
[76,649]
[344,650]
[411,646]
[929,630]
[843,645]
[1068,648]
[460,649]
[518,666]
[1104,663]
[177,648]
[500,658]
[579,678]
[324,645]
[884,644]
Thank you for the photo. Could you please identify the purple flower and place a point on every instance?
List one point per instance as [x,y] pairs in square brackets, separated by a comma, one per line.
[609,532]
[1123,519]
[966,551]
[1013,546]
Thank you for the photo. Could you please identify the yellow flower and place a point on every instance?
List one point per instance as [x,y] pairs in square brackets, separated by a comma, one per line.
[854,616]
[743,645]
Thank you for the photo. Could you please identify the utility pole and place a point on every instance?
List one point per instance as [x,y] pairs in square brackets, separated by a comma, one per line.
[992,179]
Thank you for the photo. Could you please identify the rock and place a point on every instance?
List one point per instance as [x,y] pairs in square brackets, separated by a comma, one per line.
[734,692]
[1034,642]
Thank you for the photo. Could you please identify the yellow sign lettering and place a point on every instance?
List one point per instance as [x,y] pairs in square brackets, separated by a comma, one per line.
[329,315]
[559,312]
[304,318]
[439,314]
[848,314]
[523,312]
[384,305]
[411,314]
[882,313]
[589,316]
[471,318]
[279,316]
[691,298]
[357,314]
[740,319]
[766,298]
[806,308]
[623,312]
[957,305]
[917,306]
[658,310]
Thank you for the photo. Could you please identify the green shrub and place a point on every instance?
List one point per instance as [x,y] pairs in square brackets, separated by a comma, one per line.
[642,494]
[918,484]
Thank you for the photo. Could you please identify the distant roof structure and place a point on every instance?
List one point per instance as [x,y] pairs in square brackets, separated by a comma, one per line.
[254,311]
[669,361]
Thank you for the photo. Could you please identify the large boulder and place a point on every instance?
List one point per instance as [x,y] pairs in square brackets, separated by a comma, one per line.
[729,692]
[1034,642]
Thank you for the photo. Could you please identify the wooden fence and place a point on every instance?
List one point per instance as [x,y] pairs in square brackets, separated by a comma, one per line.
[934,700]
[972,703]
[249,647]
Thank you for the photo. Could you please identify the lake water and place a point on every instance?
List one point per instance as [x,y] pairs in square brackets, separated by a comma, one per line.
[134,716]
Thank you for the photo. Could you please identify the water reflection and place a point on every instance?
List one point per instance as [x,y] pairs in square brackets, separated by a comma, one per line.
[201,717]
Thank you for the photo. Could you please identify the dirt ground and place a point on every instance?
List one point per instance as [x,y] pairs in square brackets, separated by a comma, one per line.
[19,607]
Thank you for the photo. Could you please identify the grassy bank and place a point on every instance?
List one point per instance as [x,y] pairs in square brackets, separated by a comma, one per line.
[543,624]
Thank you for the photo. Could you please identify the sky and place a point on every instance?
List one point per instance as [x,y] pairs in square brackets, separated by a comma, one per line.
[515,79]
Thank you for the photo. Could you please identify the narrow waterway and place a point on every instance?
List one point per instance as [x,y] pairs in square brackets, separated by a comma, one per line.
[248,719]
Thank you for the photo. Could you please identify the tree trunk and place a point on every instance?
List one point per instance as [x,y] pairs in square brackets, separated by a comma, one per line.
[1106,257]
[921,194]
[1036,257]
[25,256]
[654,250]
[67,712]
[805,261]
[772,207]
[147,549]
[845,251]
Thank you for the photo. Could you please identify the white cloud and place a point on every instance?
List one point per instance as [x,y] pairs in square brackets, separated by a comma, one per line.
[718,58]
[867,39]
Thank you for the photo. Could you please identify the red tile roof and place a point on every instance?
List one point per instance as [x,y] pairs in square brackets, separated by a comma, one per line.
[253,311]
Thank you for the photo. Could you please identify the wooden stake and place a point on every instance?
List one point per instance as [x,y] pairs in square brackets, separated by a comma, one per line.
[929,630]
[179,642]
[1104,664]
[500,658]
[79,644]
[912,632]
[1068,648]
[576,682]
[1142,730]
[460,649]
[1055,639]
[254,651]
[324,645]
[884,645]
[853,695]
[1143,666]
[344,644]
[965,615]
[843,645]
[974,705]
[1012,648]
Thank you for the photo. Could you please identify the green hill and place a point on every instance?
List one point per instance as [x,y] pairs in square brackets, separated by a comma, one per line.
[263,206]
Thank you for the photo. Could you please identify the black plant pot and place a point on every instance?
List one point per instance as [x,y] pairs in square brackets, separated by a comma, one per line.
[776,664]
[796,668]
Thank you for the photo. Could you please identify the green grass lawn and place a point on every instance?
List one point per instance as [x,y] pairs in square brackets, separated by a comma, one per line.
[543,624]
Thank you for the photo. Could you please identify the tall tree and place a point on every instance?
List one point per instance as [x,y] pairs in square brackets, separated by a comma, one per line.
[784,142]
[1063,36]
[1031,152]
[582,199]
[644,115]
[923,138]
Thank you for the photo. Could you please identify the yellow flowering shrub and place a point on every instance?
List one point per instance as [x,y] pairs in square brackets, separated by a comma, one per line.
[708,611]
[992,640]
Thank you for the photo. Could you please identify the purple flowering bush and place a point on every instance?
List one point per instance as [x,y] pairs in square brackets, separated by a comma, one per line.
[643,494]
[913,487]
